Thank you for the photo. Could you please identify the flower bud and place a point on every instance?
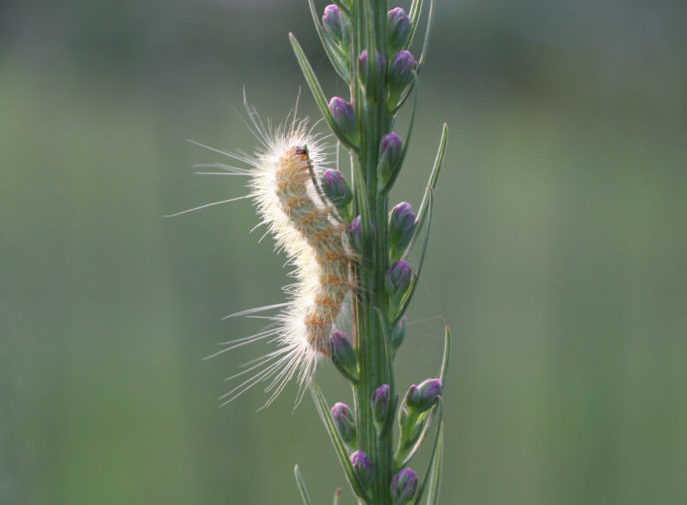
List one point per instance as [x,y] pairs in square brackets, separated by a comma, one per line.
[355,234]
[380,403]
[401,72]
[398,29]
[344,421]
[362,466]
[344,117]
[425,395]
[401,227]
[398,333]
[403,486]
[398,280]
[362,64]
[333,22]
[343,354]
[336,189]
[390,152]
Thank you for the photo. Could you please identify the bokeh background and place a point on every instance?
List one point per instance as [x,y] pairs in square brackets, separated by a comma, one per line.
[558,256]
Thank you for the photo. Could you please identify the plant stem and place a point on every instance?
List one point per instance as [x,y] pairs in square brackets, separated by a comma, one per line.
[371,307]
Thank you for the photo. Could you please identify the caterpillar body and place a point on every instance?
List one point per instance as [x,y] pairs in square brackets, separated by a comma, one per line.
[324,236]
[307,229]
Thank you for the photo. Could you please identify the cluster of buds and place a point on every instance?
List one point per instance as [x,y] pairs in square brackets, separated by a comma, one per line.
[397,71]
[417,403]
[403,65]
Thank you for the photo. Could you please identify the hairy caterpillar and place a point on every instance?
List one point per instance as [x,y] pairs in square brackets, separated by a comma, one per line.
[304,226]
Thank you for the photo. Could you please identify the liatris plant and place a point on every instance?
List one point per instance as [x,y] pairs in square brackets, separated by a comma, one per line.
[348,247]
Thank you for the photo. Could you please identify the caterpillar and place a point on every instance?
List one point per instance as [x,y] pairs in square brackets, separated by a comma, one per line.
[307,229]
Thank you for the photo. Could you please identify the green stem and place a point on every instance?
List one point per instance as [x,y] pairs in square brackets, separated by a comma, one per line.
[371,307]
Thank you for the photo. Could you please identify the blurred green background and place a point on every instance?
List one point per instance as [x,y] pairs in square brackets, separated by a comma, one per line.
[558,253]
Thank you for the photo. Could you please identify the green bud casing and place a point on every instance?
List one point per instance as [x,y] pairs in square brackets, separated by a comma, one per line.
[343,355]
[401,227]
[390,154]
[398,27]
[398,279]
[344,421]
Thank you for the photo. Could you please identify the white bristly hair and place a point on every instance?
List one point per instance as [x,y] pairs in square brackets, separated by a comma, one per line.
[297,216]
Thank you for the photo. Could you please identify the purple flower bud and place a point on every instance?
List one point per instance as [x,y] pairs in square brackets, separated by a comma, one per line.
[344,117]
[398,28]
[398,333]
[401,227]
[362,64]
[380,402]
[390,152]
[333,22]
[355,234]
[425,395]
[336,189]
[343,354]
[404,486]
[362,466]
[401,72]
[344,421]
[398,280]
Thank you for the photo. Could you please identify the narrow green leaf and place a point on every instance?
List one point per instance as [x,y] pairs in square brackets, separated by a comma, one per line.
[414,16]
[339,446]
[431,184]
[301,486]
[428,33]
[438,441]
[446,355]
[415,9]
[343,70]
[434,481]
[316,90]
